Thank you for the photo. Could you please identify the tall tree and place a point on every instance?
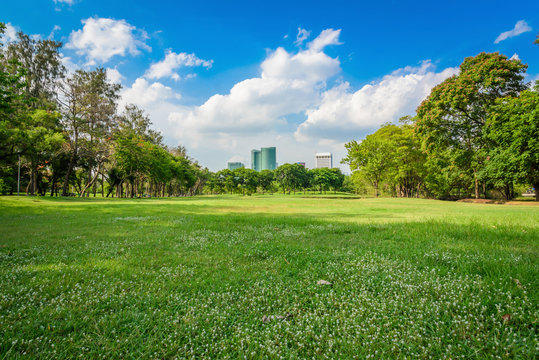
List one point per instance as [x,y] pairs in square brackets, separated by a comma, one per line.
[100,103]
[371,157]
[88,105]
[43,141]
[135,120]
[43,64]
[455,113]
[514,126]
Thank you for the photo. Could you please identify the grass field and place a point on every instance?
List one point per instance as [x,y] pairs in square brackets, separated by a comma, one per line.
[231,277]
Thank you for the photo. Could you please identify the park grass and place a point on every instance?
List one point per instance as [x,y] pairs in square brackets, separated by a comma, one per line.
[231,277]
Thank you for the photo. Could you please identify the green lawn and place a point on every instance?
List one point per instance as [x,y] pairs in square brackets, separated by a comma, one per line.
[231,276]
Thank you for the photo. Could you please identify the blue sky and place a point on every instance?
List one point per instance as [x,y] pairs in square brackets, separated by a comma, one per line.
[222,78]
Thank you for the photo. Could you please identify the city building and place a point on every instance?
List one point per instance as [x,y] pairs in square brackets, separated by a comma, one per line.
[323,160]
[235,165]
[264,159]
[255,159]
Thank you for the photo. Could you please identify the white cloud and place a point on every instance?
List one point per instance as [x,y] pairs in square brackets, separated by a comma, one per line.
[514,57]
[288,84]
[172,62]
[68,2]
[305,67]
[156,99]
[10,33]
[520,27]
[68,63]
[288,106]
[114,76]
[344,114]
[327,37]
[143,93]
[101,38]
[53,31]
[302,36]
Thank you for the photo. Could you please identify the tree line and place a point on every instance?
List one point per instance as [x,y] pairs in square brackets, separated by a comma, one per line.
[287,178]
[63,132]
[475,135]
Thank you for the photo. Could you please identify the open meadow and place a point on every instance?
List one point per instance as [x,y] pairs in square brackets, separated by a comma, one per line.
[232,276]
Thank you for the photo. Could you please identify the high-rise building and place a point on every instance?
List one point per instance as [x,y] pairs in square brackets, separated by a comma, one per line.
[324,160]
[235,165]
[264,159]
[255,159]
[269,158]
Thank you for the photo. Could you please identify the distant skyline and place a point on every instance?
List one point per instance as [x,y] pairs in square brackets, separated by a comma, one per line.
[222,78]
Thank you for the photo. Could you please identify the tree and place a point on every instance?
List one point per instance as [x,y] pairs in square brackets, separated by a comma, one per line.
[88,106]
[336,179]
[246,179]
[265,180]
[43,140]
[291,177]
[455,113]
[43,64]
[371,157]
[406,170]
[320,178]
[135,120]
[513,125]
[13,105]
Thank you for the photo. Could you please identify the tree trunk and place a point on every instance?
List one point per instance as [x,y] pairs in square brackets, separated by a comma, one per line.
[71,165]
[536,187]
[53,183]
[476,180]
[32,179]
[92,181]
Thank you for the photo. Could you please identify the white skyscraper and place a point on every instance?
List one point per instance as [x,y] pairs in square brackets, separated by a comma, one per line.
[324,160]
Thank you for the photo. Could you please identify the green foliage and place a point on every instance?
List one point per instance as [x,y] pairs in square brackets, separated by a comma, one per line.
[514,127]
[265,181]
[454,115]
[42,62]
[246,180]
[325,178]
[13,108]
[291,177]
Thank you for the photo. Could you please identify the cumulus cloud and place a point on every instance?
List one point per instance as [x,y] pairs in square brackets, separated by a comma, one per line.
[302,36]
[520,27]
[114,76]
[155,98]
[10,33]
[143,93]
[288,84]
[344,114]
[101,38]
[172,62]
[293,104]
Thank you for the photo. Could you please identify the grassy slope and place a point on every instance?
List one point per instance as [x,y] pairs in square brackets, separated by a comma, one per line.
[194,277]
